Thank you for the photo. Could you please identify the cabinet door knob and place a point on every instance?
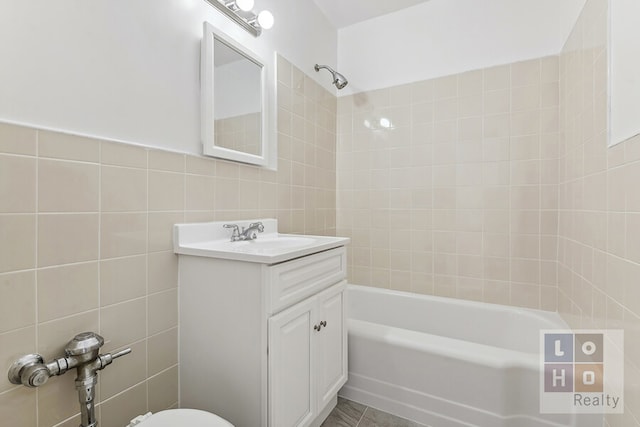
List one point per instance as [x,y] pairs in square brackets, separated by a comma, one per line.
[320,325]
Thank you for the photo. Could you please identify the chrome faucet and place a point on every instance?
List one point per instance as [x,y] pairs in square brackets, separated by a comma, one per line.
[81,353]
[250,233]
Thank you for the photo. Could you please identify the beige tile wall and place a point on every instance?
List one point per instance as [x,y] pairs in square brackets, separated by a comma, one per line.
[240,133]
[599,204]
[458,195]
[85,227]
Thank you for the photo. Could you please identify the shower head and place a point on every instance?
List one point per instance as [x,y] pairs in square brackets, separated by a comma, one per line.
[338,79]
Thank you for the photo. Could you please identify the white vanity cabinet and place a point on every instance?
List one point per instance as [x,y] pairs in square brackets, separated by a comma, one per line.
[307,354]
[263,344]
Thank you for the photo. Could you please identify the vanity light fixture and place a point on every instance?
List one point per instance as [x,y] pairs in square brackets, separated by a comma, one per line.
[244,5]
[241,12]
[265,19]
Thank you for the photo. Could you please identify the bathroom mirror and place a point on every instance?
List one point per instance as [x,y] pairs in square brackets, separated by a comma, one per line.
[234,100]
[624,69]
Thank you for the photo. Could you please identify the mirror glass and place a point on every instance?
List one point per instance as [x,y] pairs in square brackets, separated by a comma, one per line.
[624,69]
[237,110]
[234,104]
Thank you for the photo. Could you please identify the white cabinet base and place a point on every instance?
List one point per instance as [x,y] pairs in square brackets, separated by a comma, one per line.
[324,413]
[307,358]
[226,312]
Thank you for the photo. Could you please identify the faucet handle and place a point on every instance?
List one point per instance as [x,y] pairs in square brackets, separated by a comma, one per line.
[236,231]
[259,225]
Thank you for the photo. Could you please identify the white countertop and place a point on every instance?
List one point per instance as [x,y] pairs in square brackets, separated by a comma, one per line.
[212,240]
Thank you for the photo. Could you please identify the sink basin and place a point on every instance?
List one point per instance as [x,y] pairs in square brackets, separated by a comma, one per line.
[213,240]
[264,244]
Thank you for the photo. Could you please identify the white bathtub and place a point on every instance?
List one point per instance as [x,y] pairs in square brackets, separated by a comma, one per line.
[448,363]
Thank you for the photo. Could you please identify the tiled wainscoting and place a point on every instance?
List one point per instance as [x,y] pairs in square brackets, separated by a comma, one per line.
[85,226]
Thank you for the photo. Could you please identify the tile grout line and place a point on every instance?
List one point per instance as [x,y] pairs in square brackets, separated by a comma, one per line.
[37,262]
[361,416]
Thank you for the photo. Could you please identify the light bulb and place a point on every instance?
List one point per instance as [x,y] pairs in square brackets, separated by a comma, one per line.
[265,19]
[245,5]
[385,123]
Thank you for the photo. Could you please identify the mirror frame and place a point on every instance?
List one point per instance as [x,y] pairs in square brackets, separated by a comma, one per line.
[207,95]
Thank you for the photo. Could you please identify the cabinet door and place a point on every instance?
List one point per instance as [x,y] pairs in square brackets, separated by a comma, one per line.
[331,343]
[292,396]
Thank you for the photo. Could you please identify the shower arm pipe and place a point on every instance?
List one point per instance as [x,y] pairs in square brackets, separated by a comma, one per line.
[318,67]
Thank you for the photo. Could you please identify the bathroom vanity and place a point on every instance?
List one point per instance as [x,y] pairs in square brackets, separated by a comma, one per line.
[262,323]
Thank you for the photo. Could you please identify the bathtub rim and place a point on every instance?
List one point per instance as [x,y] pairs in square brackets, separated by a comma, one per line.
[544,314]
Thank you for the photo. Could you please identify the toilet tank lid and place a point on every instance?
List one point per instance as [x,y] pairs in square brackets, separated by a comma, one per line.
[180,417]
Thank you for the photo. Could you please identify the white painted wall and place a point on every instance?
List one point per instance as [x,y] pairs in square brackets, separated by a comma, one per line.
[443,37]
[129,70]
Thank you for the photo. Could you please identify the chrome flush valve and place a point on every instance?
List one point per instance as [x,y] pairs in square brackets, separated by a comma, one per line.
[80,353]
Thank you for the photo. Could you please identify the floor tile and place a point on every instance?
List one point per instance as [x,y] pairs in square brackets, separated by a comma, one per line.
[375,418]
[352,414]
[345,414]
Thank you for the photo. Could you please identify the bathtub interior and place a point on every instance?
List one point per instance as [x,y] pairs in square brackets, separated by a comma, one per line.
[423,367]
[483,323]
